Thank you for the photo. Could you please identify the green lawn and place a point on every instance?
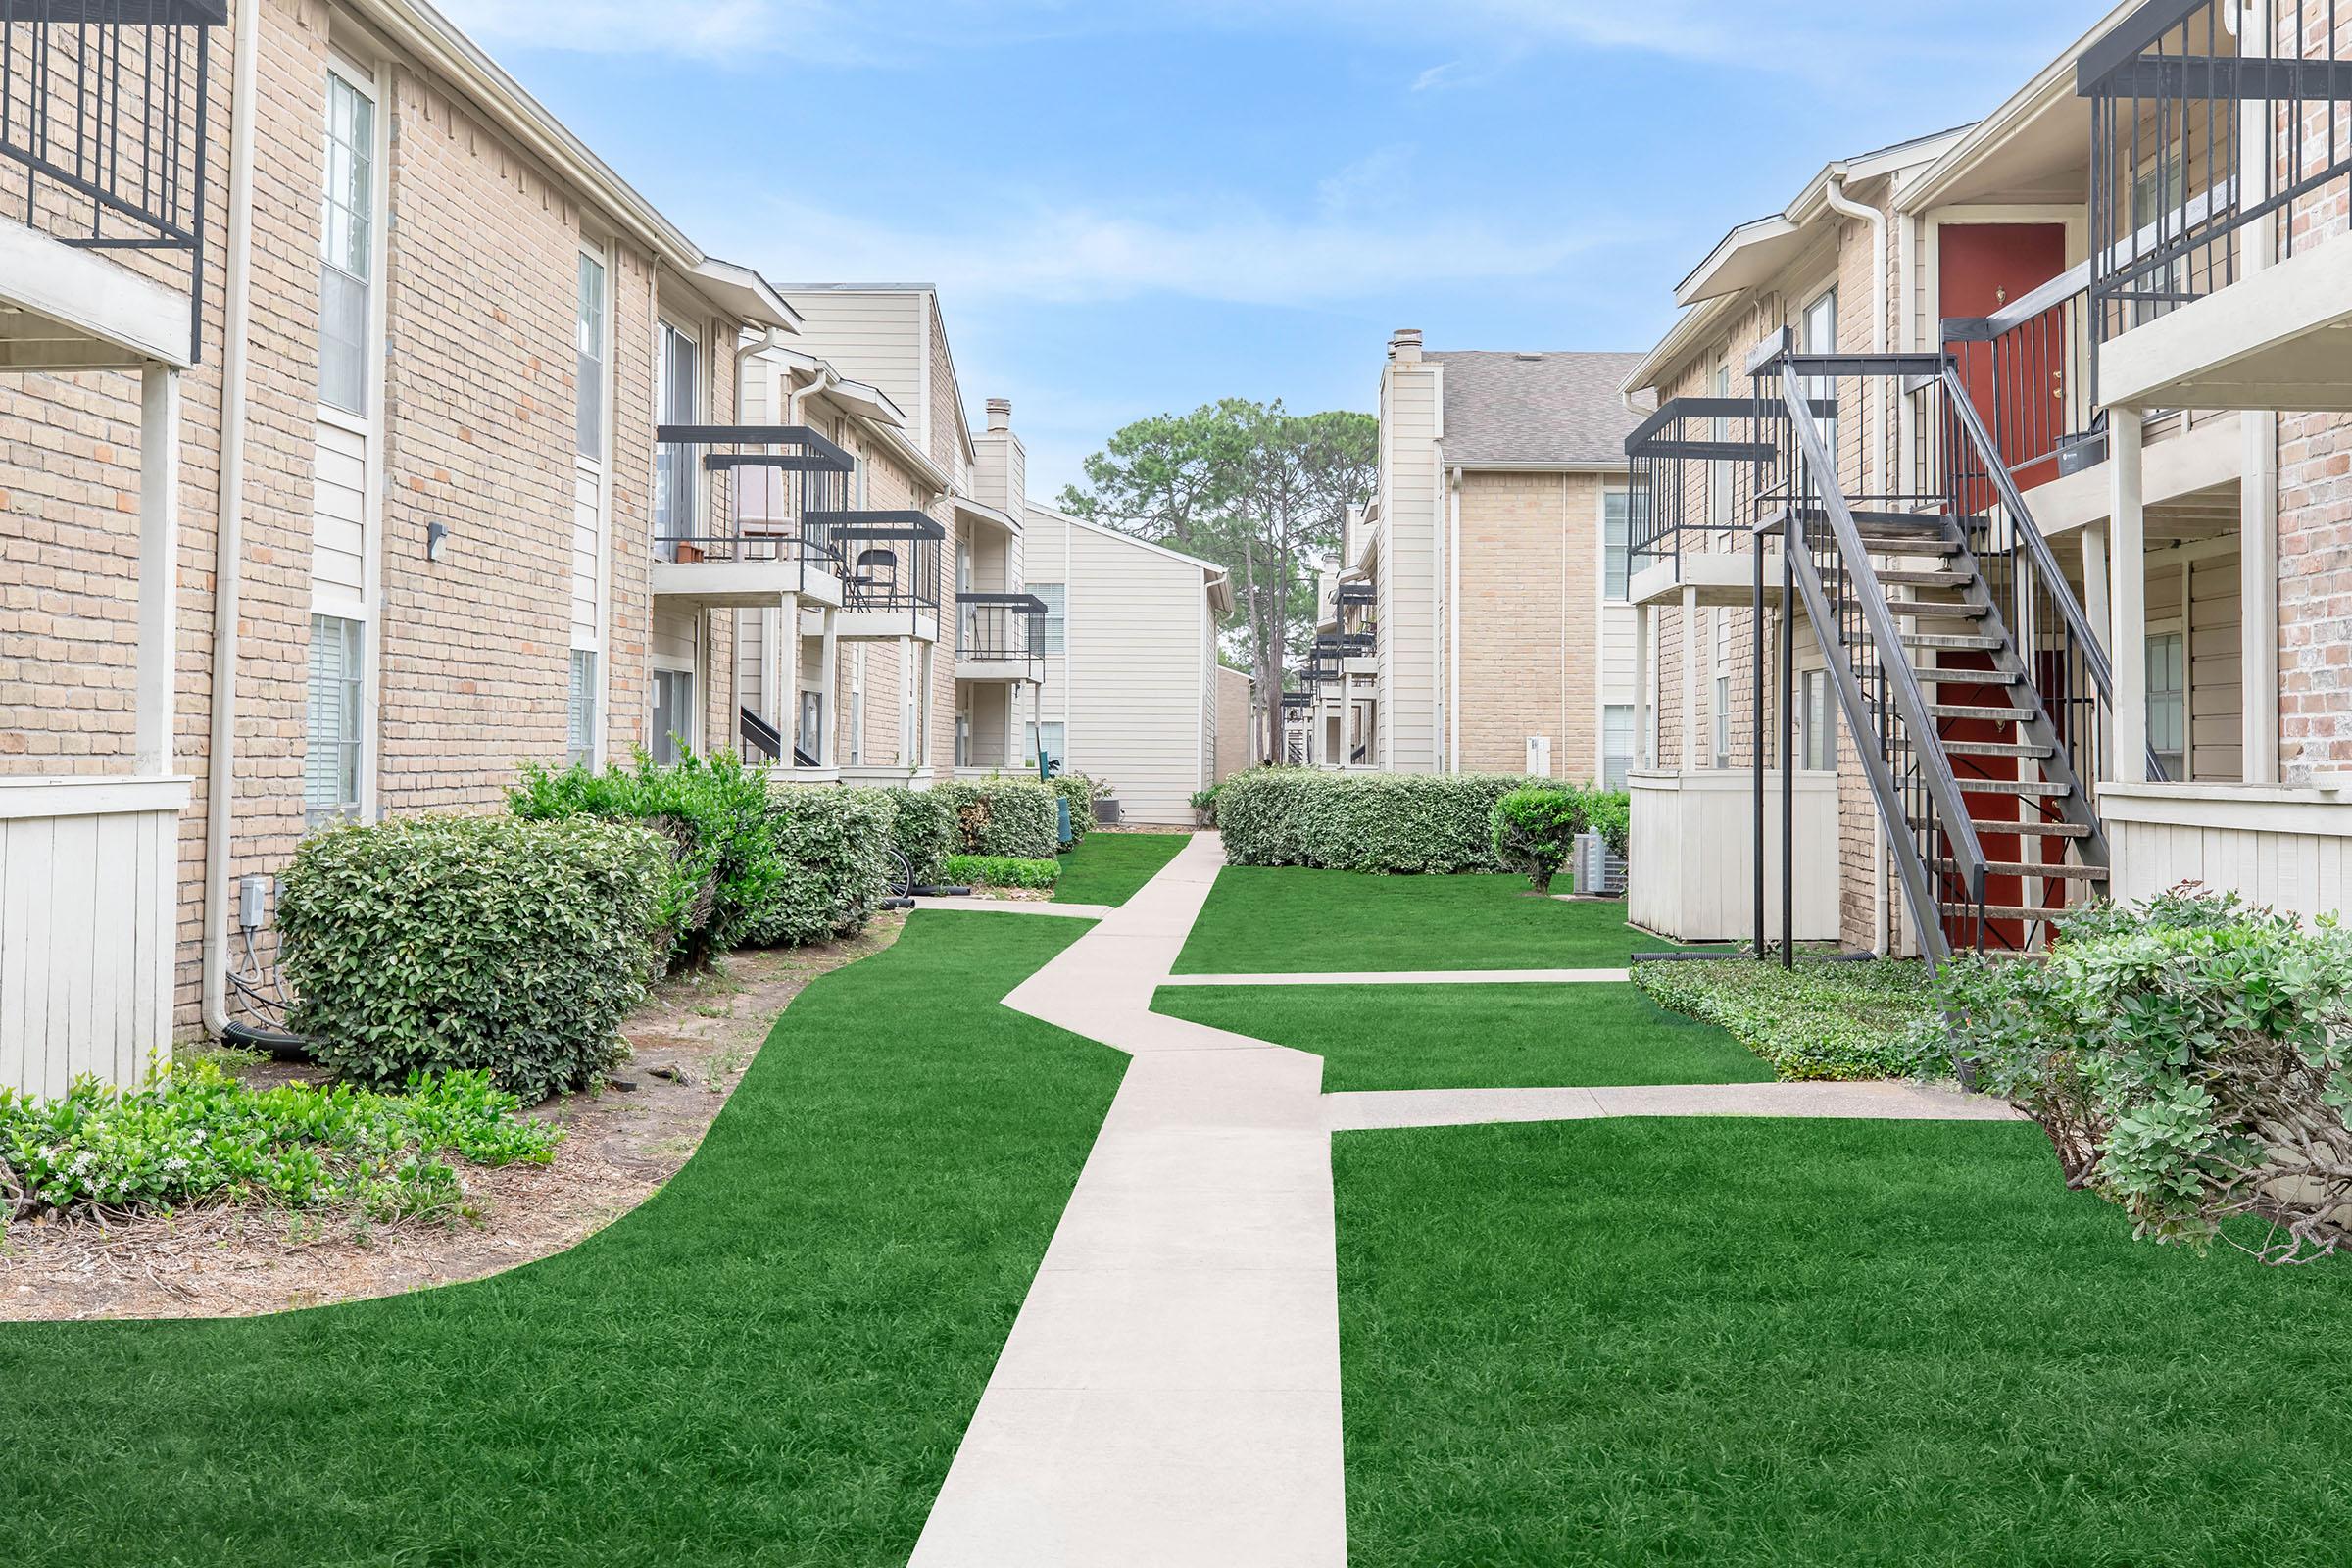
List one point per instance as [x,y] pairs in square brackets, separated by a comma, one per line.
[1107,867]
[770,1362]
[1473,1036]
[1285,920]
[1788,1342]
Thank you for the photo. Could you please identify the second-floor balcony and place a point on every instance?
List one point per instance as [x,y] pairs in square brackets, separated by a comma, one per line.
[999,637]
[744,515]
[103,171]
[1699,478]
[893,562]
[2220,200]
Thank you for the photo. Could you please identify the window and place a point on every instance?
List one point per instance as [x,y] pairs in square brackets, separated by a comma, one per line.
[673,714]
[1816,722]
[1048,735]
[1615,543]
[1723,720]
[588,417]
[579,728]
[1616,744]
[2167,702]
[678,397]
[2159,193]
[1821,337]
[331,730]
[810,735]
[1056,623]
[1719,475]
[346,247]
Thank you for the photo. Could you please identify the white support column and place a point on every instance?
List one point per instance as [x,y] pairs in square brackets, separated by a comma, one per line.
[1644,674]
[2127,580]
[829,754]
[2258,596]
[784,702]
[2096,608]
[159,570]
[1690,634]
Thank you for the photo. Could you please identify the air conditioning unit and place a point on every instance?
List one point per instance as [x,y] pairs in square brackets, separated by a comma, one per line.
[1597,872]
[1538,755]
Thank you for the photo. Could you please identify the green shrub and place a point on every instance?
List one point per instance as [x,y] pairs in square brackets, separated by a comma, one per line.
[195,1135]
[1825,1018]
[1205,804]
[1610,814]
[834,845]
[924,829]
[2190,1060]
[1009,816]
[1535,829]
[1364,822]
[440,944]
[1001,871]
[1079,791]
[713,810]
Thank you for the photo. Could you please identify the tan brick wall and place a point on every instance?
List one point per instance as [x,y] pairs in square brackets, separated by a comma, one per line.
[1530,575]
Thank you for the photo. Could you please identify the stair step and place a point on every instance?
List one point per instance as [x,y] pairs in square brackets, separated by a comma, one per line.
[1991,716]
[1955,641]
[2042,788]
[1933,609]
[2031,830]
[1923,578]
[2013,912]
[1880,543]
[2069,873]
[1996,749]
[1969,677]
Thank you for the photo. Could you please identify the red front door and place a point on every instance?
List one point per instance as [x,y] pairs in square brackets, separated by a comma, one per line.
[1981,268]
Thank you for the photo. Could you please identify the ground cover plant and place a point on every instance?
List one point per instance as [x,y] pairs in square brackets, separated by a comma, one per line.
[1108,867]
[1825,1018]
[195,1134]
[770,1361]
[1001,871]
[1284,920]
[2190,1060]
[1769,1340]
[438,944]
[1474,1037]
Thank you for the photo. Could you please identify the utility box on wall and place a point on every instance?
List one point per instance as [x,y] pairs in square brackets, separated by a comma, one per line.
[1538,755]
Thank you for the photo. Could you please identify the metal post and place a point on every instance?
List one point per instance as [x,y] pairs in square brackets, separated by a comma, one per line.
[1756,733]
[1789,743]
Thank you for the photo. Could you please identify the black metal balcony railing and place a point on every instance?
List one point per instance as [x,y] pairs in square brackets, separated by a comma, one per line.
[760,493]
[893,559]
[2208,115]
[1002,628]
[102,124]
[1700,473]
[2031,373]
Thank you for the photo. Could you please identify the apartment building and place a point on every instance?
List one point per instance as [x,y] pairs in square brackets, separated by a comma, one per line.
[1130,689]
[2048,412]
[1478,619]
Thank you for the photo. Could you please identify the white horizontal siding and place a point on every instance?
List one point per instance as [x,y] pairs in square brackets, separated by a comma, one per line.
[875,338]
[586,491]
[339,513]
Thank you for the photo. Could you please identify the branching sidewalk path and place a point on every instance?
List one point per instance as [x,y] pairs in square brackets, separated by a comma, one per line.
[1169,1396]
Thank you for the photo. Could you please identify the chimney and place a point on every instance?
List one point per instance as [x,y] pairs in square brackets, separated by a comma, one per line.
[1000,414]
[1404,345]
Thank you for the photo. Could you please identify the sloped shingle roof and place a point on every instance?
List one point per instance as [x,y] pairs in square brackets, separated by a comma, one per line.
[1505,407]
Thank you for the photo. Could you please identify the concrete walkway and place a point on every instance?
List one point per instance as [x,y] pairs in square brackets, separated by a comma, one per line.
[1409,977]
[1170,1392]
[1360,1109]
[1071,911]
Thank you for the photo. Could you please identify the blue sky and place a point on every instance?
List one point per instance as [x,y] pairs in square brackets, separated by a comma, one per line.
[1132,208]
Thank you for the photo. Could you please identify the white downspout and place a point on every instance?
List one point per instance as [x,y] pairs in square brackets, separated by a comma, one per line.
[228,545]
[1453,623]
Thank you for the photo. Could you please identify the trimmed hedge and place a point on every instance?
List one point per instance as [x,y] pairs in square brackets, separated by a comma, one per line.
[924,829]
[439,944]
[1008,816]
[713,810]
[1439,822]
[1002,872]
[834,845]
[1080,792]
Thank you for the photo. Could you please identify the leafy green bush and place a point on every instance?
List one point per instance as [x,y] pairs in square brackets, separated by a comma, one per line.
[1079,791]
[1610,814]
[1205,804]
[1001,816]
[1002,872]
[195,1134]
[924,829]
[1364,822]
[834,845]
[441,944]
[726,870]
[1535,829]
[1826,1019]
[2192,1060]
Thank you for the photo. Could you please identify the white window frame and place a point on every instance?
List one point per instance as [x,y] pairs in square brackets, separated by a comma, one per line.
[2176,761]
[1616,764]
[1616,545]
[689,526]
[581,748]
[360,82]
[690,736]
[1029,737]
[353,700]
[1053,627]
[1816,722]
[600,468]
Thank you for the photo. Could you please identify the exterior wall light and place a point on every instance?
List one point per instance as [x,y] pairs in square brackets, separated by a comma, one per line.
[437,540]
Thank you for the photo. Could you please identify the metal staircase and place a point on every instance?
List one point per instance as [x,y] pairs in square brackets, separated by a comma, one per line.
[1961,658]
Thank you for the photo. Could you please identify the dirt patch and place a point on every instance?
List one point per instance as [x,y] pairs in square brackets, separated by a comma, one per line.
[692,1041]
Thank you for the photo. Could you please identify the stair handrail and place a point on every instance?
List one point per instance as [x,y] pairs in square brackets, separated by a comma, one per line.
[1910,702]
